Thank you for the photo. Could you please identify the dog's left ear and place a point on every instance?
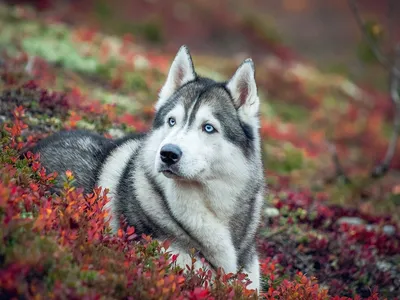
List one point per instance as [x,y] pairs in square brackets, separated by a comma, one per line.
[181,72]
[243,89]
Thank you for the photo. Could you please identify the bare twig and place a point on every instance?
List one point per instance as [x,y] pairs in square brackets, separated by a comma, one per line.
[383,60]
[361,23]
[30,64]
[393,67]
[383,167]
[391,19]
[395,78]
[340,173]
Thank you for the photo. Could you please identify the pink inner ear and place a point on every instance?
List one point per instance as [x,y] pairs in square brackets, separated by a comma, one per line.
[243,90]
[179,76]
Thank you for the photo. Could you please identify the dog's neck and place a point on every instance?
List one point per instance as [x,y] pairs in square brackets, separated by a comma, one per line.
[217,197]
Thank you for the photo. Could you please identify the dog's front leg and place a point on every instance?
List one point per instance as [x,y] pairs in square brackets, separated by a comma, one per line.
[225,257]
[253,271]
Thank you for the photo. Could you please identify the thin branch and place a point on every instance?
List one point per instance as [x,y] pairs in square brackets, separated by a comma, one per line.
[383,167]
[340,173]
[395,78]
[374,47]
[30,64]
[391,19]
[393,66]
[383,60]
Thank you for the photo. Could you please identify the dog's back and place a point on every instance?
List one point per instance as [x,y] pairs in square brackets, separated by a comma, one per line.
[79,151]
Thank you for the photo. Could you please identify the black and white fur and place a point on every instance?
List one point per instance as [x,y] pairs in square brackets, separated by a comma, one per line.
[209,194]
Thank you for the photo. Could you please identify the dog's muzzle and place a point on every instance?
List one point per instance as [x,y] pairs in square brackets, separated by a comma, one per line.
[170,154]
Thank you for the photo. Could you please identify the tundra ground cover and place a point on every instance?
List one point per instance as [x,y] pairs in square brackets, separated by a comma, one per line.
[329,241]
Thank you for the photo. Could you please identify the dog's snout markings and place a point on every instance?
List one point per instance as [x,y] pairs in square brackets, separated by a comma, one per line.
[170,154]
[196,178]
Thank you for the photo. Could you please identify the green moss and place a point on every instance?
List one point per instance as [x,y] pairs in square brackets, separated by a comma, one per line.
[103,10]
[59,51]
[125,103]
[291,113]
[135,81]
[262,26]
[88,276]
[151,30]
[290,160]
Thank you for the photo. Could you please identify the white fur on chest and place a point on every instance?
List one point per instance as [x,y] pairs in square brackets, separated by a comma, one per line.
[194,209]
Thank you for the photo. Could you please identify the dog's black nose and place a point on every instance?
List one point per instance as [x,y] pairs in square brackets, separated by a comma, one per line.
[170,154]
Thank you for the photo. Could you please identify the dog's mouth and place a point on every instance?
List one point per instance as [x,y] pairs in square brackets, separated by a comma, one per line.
[170,173]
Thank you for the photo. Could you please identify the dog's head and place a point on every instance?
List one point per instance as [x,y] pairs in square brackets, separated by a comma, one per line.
[205,129]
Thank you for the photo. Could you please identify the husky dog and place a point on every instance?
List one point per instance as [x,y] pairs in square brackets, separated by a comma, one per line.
[195,179]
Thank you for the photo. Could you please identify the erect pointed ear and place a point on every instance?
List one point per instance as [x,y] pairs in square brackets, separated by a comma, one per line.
[181,72]
[243,89]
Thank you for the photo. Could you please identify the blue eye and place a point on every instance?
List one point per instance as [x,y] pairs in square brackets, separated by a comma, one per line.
[171,122]
[208,128]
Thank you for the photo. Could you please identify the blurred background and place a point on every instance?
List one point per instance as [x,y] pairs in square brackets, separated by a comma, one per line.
[325,96]
[328,108]
[322,32]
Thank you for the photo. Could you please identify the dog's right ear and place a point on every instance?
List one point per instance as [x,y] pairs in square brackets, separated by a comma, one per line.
[181,72]
[243,89]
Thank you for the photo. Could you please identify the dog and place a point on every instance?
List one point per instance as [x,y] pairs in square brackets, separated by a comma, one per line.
[195,179]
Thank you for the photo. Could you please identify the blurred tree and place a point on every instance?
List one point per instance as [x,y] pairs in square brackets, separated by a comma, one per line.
[371,51]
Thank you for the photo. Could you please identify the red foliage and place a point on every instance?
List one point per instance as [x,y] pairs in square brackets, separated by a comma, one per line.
[348,258]
[68,233]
